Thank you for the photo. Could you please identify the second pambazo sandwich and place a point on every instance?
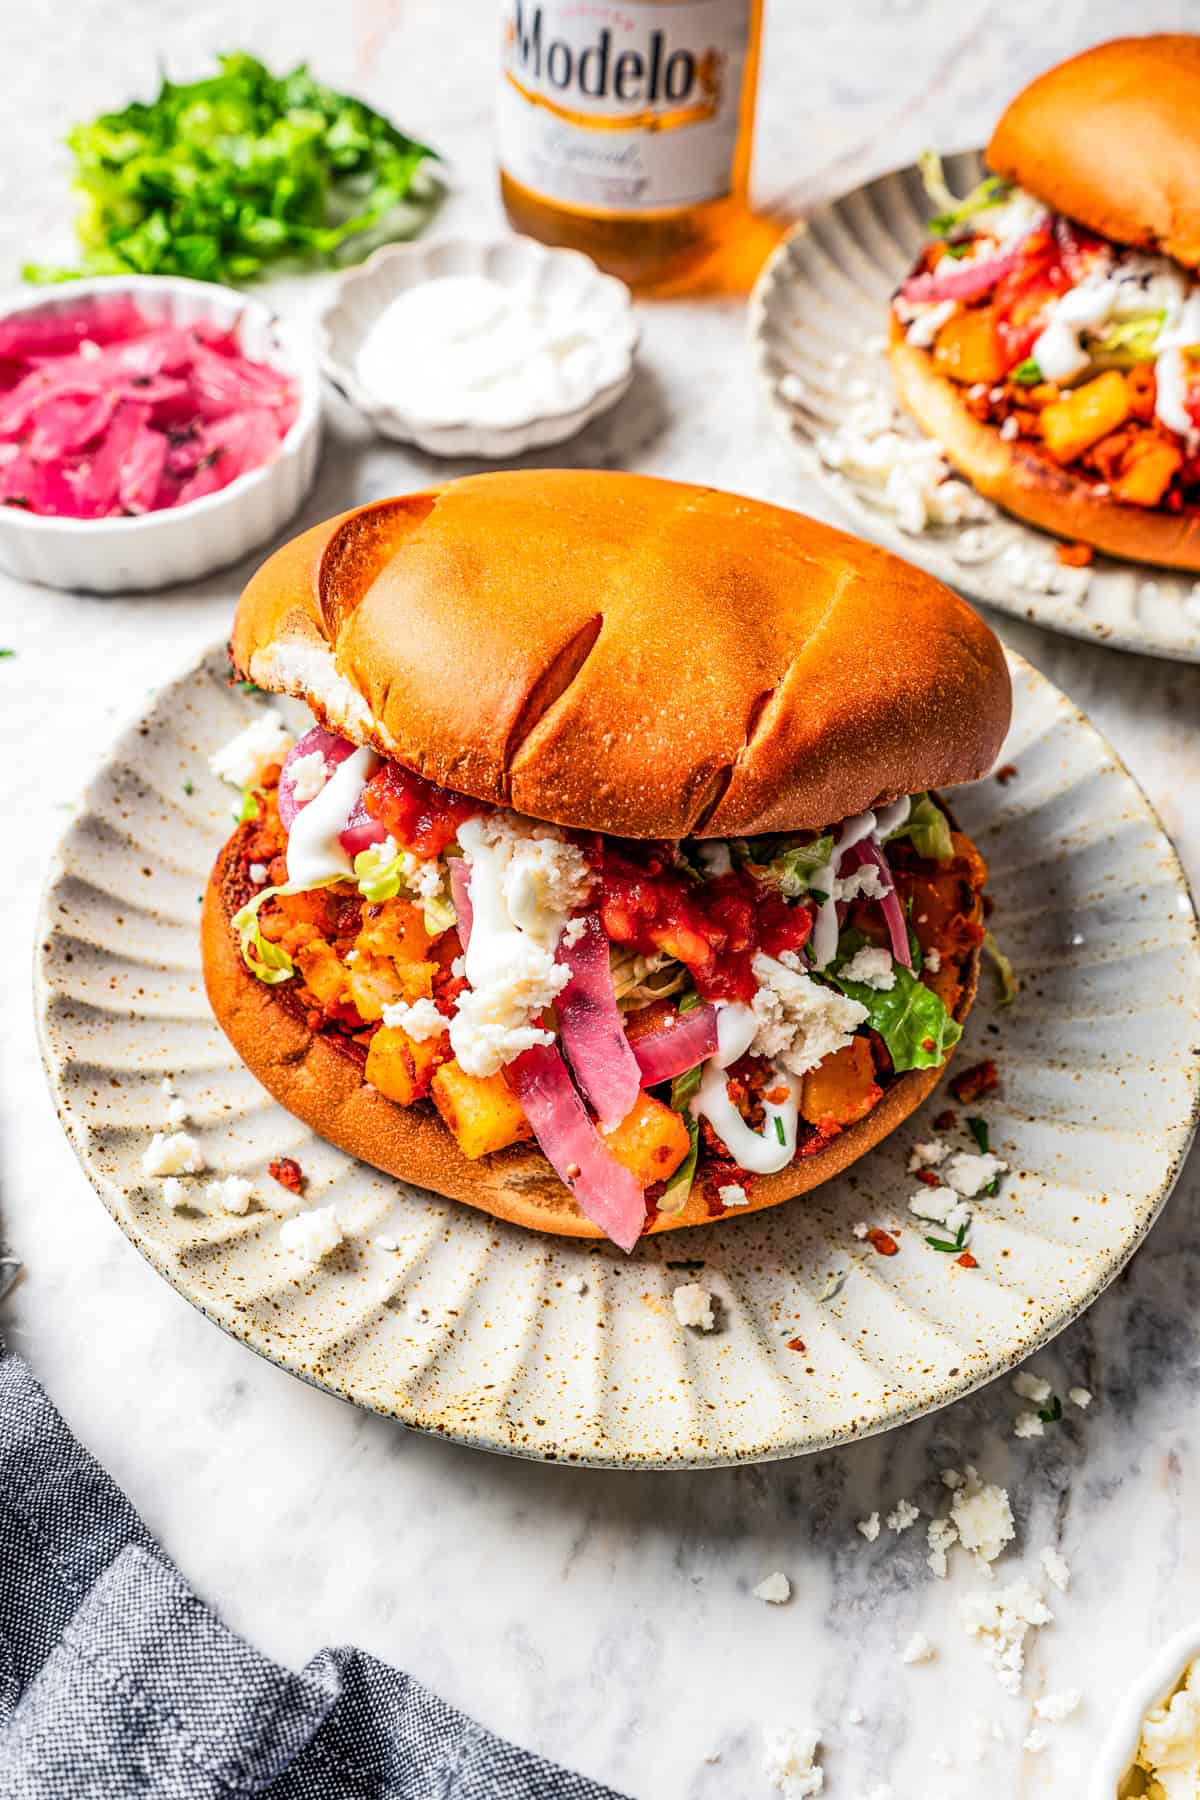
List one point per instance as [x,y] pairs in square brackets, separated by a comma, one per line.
[611,891]
[1049,337]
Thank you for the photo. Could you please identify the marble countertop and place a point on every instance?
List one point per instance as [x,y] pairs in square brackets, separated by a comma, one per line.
[603,1619]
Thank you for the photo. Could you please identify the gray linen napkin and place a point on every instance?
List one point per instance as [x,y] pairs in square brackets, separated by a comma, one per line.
[115,1680]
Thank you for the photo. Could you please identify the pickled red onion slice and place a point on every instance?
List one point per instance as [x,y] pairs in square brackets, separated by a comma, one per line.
[460,893]
[661,1055]
[869,851]
[591,1028]
[334,749]
[959,283]
[605,1190]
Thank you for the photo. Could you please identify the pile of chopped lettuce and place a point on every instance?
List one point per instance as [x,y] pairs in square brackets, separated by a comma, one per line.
[218,179]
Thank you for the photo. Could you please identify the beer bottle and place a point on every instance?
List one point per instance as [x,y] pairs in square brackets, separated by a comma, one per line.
[625,129]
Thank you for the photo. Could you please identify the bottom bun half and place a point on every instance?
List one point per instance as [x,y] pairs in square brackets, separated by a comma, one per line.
[1032,486]
[320,1079]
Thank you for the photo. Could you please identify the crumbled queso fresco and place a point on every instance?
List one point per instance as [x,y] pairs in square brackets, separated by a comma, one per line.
[911,475]
[693,1306]
[241,761]
[790,1765]
[311,1235]
[1168,1754]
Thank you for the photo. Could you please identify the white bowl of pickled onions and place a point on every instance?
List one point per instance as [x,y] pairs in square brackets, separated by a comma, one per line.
[151,429]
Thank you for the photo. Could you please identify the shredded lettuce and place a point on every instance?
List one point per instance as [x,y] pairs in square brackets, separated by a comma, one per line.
[221,178]
[1027,373]
[928,828]
[793,866]
[1009,985]
[952,212]
[1127,342]
[251,806]
[909,1017]
[379,876]
[439,914]
[685,1087]
[270,962]
[674,1196]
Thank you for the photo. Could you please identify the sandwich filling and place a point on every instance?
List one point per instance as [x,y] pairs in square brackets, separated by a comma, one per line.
[653,1013]
[1084,350]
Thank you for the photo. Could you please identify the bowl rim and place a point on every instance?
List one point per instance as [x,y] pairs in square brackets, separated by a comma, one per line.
[299,350]
[412,256]
[1162,1675]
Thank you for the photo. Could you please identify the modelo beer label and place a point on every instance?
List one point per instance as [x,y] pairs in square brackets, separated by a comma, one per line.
[622,108]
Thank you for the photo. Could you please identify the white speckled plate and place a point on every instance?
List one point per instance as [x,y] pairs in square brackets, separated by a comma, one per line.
[818,326]
[467,1327]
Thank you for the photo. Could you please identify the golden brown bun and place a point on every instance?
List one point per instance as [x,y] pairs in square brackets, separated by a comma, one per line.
[1031,485]
[618,653]
[1112,139]
[323,1084]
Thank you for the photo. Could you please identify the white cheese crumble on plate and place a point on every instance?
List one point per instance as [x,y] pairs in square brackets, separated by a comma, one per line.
[232,1194]
[177,1111]
[869,1527]
[175,1193]
[174,1154]
[927,1156]
[968,1174]
[1027,1424]
[789,1764]
[774,1588]
[1080,1397]
[941,1206]
[311,1235]
[576,1284]
[918,1649]
[693,1306]
[243,759]
[1031,1387]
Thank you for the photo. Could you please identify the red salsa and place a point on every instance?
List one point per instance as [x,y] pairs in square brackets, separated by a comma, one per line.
[420,815]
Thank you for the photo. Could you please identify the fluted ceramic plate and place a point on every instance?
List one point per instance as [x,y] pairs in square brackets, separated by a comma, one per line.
[818,327]
[470,1327]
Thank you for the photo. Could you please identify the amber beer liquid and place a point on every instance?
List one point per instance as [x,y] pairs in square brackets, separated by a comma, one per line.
[625,129]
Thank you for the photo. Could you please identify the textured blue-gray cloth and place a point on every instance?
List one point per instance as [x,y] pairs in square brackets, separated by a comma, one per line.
[115,1680]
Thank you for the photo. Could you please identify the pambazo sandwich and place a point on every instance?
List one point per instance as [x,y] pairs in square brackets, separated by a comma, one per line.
[1049,337]
[611,890]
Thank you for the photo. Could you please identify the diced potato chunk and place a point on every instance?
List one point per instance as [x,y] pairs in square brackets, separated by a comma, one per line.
[966,348]
[1146,470]
[394,928]
[401,1067]
[374,982]
[482,1111]
[842,1088]
[1085,415]
[651,1142]
[322,970]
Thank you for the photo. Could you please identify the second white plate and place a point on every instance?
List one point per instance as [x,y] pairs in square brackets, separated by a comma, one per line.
[818,325]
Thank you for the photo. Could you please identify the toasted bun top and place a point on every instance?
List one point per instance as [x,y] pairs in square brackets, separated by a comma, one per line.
[628,655]
[1112,139]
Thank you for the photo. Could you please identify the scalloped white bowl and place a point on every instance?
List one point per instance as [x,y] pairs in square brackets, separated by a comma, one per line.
[1160,1678]
[158,549]
[554,276]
